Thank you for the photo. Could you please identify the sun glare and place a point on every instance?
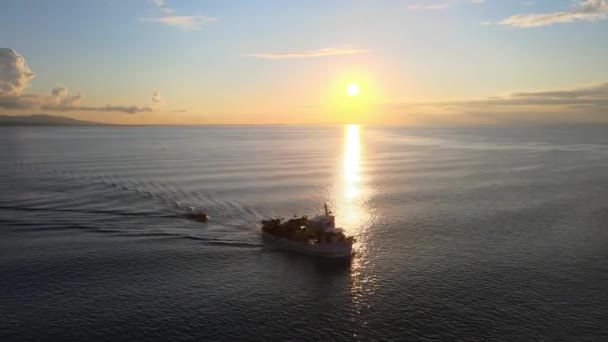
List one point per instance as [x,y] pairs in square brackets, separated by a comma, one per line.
[352,89]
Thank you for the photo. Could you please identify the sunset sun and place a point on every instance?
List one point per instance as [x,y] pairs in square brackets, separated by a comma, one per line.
[352,89]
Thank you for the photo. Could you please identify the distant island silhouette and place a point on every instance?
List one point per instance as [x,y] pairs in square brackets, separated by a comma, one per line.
[44,120]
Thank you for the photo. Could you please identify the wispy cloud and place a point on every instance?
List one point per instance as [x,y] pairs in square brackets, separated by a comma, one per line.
[309,54]
[185,22]
[15,77]
[430,7]
[439,5]
[587,104]
[160,4]
[583,10]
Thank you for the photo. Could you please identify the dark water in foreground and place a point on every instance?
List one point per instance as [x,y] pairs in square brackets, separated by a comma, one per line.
[495,234]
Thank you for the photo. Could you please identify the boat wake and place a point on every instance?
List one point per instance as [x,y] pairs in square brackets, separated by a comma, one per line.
[112,204]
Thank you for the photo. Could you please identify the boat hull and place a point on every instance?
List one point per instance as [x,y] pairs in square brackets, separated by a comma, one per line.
[339,250]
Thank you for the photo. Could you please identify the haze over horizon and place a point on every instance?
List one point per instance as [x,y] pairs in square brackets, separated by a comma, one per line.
[411,62]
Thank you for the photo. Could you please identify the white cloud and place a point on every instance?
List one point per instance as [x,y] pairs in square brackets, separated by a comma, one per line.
[62,97]
[185,22]
[156,99]
[15,77]
[309,54]
[583,10]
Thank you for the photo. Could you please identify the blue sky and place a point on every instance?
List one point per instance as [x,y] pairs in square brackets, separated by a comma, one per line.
[199,57]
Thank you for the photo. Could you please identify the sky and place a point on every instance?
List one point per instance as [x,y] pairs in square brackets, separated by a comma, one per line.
[416,62]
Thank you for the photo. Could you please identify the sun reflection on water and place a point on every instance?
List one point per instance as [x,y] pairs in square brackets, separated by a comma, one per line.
[350,201]
[355,215]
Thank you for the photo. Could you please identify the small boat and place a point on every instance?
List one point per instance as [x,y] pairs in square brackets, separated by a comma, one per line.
[318,236]
[196,215]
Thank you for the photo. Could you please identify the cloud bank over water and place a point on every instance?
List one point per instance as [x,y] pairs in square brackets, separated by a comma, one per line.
[585,104]
[15,78]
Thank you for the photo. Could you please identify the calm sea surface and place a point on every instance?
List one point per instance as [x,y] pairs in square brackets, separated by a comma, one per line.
[485,234]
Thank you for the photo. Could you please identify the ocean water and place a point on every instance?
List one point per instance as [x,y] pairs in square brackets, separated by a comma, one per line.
[464,234]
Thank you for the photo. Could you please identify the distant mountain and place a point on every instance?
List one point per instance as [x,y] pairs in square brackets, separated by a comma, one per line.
[44,120]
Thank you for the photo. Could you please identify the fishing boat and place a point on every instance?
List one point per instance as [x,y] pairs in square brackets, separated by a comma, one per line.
[318,236]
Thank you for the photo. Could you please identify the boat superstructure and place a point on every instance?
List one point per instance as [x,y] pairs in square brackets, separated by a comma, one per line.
[317,236]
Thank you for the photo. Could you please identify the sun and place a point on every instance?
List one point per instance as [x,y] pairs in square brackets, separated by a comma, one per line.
[352,89]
